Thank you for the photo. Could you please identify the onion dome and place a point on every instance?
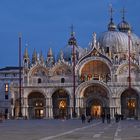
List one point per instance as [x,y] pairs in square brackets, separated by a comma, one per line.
[124,26]
[117,42]
[68,50]
[111,25]
[114,41]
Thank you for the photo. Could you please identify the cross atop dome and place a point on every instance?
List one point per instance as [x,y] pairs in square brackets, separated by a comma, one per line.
[123,11]
[111,10]
[111,25]
[72,28]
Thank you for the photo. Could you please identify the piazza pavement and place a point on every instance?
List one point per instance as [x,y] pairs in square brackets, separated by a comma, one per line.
[71,129]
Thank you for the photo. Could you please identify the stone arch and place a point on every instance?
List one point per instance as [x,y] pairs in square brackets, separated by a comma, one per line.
[94,69]
[123,70]
[39,69]
[99,92]
[35,90]
[130,103]
[81,88]
[61,103]
[61,69]
[125,64]
[122,89]
[36,105]
[82,63]
[52,91]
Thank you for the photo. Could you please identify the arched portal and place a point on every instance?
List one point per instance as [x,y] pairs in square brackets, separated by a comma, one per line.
[96,100]
[129,103]
[36,102]
[60,100]
[95,70]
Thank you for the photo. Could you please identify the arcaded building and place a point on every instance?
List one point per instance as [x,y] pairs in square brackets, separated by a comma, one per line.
[107,79]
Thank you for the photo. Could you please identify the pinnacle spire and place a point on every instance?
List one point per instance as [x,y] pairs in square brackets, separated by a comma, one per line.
[34,57]
[50,53]
[41,57]
[26,53]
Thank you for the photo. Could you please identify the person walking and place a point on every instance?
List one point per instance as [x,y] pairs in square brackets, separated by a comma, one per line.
[83,118]
[89,118]
[116,117]
[103,117]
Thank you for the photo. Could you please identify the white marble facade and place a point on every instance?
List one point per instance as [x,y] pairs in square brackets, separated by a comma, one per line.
[101,75]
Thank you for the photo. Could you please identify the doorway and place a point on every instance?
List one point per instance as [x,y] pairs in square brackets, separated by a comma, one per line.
[96,111]
[129,103]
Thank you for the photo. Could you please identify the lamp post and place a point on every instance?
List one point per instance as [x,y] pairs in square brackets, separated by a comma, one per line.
[20,104]
[72,42]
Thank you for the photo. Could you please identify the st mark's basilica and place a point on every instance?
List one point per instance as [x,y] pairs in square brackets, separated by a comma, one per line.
[104,77]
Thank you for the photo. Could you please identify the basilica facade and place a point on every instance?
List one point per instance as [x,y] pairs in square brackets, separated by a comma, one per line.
[105,76]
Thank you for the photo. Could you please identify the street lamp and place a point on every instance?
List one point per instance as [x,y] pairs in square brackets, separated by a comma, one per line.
[72,42]
[20,104]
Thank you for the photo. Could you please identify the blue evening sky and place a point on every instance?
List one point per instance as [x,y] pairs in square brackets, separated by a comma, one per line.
[46,23]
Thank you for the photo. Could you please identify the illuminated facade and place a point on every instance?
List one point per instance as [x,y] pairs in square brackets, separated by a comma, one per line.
[101,75]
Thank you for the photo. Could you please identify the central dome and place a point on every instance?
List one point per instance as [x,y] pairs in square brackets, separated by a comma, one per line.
[117,42]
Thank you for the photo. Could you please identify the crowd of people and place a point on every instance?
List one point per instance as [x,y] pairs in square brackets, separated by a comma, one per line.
[104,117]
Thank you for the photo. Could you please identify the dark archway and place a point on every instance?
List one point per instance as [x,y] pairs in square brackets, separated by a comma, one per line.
[37,103]
[96,100]
[129,103]
[60,100]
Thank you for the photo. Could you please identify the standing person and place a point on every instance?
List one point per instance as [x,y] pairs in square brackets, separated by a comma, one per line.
[89,119]
[116,117]
[103,117]
[108,117]
[83,118]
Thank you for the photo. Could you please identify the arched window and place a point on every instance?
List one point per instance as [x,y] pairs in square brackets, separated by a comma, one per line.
[62,80]
[39,80]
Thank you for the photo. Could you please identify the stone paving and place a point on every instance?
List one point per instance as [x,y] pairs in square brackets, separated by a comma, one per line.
[69,130]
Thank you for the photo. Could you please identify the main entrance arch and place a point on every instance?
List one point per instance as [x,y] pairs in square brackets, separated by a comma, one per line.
[36,102]
[130,103]
[96,100]
[60,100]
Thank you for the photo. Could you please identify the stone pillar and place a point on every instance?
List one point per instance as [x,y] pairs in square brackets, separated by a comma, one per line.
[50,107]
[25,108]
[47,108]
[138,110]
[71,112]
[118,105]
[71,106]
[78,107]
[12,111]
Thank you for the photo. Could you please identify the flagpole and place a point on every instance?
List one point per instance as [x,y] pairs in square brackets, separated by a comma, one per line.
[129,77]
[20,104]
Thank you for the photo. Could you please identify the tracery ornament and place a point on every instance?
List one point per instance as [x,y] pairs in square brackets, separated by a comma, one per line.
[39,71]
[62,70]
